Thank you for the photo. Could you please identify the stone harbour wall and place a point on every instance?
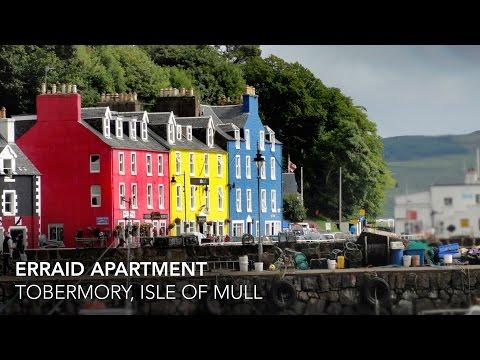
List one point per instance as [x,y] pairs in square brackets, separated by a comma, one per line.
[315,292]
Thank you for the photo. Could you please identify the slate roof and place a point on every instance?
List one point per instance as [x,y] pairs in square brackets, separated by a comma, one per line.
[93,112]
[289,184]
[23,165]
[227,113]
[23,123]
[158,118]
[197,122]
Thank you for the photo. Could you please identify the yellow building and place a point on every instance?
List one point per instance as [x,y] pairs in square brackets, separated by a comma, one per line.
[198,170]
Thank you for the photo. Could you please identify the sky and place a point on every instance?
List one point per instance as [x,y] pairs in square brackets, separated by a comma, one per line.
[407,90]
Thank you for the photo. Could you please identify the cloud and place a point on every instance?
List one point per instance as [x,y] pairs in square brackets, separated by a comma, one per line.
[406,89]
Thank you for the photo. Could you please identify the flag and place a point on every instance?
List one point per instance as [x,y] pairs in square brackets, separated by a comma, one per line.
[291,166]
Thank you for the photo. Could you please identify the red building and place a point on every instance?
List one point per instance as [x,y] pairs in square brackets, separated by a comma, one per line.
[90,159]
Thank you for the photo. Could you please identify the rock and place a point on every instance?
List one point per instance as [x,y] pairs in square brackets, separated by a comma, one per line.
[400,281]
[241,309]
[315,307]
[187,307]
[404,307]
[299,307]
[335,281]
[348,296]
[433,294]
[214,307]
[348,310]
[312,294]
[332,296]
[423,282]
[303,296]
[323,282]
[409,295]
[459,298]
[411,281]
[309,283]
[423,304]
[349,280]
[443,279]
[334,309]
[459,280]
[443,295]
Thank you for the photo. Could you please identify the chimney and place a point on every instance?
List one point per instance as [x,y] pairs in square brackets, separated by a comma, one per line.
[44,88]
[181,102]
[7,126]
[59,106]
[122,102]
[250,100]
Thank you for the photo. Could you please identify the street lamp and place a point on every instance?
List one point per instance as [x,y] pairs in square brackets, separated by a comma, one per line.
[174,181]
[129,239]
[259,161]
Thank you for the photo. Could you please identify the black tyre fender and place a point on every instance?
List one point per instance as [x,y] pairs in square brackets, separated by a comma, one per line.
[283,294]
[378,285]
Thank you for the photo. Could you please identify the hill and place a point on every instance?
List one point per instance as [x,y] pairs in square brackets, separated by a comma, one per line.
[419,161]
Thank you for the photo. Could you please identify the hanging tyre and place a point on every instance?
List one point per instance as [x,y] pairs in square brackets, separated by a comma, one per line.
[376,289]
[283,294]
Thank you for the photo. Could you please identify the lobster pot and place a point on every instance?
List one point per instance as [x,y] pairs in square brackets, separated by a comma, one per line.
[243,261]
[375,245]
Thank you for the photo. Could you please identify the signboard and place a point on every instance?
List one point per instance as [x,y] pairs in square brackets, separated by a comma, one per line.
[199,181]
[361,212]
[126,214]
[328,226]
[158,216]
[464,223]
[102,220]
[147,216]
[411,215]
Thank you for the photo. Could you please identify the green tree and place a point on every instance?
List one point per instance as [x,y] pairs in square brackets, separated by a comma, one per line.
[293,208]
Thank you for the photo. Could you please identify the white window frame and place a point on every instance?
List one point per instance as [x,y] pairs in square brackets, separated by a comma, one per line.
[121,195]
[220,198]
[12,161]
[144,130]
[219,165]
[191,163]
[13,203]
[272,140]
[273,170]
[133,163]
[178,163]
[206,167]
[106,127]
[161,196]
[149,196]
[160,164]
[261,136]
[248,167]
[263,200]
[189,133]
[192,197]
[133,129]
[249,200]
[171,133]
[238,199]
[238,224]
[91,163]
[179,132]
[210,136]
[237,139]
[263,170]
[121,163]
[238,167]
[134,196]
[207,197]
[247,138]
[178,197]
[149,164]
[119,128]
[273,200]
[93,195]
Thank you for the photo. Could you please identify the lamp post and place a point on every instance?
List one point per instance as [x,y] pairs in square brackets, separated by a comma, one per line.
[259,160]
[174,181]
[127,219]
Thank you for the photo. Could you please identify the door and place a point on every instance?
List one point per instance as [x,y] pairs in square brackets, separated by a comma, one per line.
[249,228]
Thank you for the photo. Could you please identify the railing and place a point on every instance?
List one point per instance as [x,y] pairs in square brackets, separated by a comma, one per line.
[90,242]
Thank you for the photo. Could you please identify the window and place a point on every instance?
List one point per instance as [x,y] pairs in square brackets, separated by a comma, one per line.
[95,196]
[263,197]
[9,202]
[207,197]
[220,228]
[133,130]
[205,164]
[272,140]
[8,166]
[248,167]
[134,196]
[262,140]
[178,163]
[161,196]
[144,131]
[192,197]
[210,137]
[179,132]
[106,127]
[149,164]
[149,196]
[121,163]
[119,128]
[55,232]
[249,200]
[238,170]
[448,201]
[219,165]
[121,195]
[273,200]
[133,163]
[189,133]
[262,170]
[477,198]
[220,198]
[238,199]
[160,165]
[94,163]
[272,168]
[178,196]
[192,163]
[237,139]
[171,133]
[247,138]
[237,229]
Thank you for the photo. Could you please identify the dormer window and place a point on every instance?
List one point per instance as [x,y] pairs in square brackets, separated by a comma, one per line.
[144,131]
[106,127]
[171,133]
[119,128]
[8,166]
[189,133]
[237,139]
[247,139]
[210,137]
[133,129]
[272,141]
[179,132]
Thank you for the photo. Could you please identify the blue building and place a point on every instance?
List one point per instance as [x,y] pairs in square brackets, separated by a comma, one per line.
[242,132]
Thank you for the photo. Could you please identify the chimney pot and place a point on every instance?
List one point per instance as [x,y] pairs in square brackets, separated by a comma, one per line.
[175,92]
[44,88]
[182,92]
[54,88]
[69,88]
[3,113]
[102,97]
[134,96]
[74,89]
[64,88]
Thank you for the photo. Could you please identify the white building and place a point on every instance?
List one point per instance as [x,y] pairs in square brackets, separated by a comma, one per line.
[449,209]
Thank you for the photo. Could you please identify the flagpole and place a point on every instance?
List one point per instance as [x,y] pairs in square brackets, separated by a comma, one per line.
[301,184]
